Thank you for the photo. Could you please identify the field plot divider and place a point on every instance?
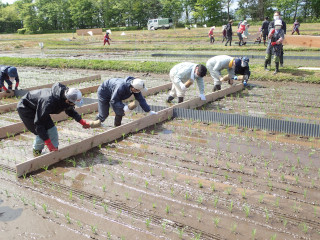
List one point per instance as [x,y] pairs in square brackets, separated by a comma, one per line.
[68,82]
[90,108]
[115,133]
[13,106]
[85,145]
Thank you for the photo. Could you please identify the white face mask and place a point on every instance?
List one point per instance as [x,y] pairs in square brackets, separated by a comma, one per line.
[277,27]
[277,17]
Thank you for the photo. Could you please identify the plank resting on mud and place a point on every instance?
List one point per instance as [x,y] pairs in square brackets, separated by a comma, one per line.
[68,82]
[19,127]
[115,133]
[85,145]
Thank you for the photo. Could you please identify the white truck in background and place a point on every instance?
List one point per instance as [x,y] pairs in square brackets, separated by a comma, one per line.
[163,23]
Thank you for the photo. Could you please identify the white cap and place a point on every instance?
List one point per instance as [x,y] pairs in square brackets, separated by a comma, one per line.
[139,85]
[278,22]
[75,96]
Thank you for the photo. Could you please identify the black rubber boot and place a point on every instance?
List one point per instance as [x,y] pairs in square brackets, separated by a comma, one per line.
[36,153]
[117,120]
[277,68]
[169,99]
[216,88]
[266,65]
[180,99]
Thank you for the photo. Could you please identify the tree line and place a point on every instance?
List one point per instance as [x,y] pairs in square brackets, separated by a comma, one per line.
[48,15]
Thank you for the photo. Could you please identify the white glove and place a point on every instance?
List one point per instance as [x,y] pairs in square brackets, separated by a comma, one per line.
[152,113]
[202,97]
[182,86]
[126,108]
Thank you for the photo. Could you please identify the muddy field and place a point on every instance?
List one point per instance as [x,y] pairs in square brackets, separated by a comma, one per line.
[177,180]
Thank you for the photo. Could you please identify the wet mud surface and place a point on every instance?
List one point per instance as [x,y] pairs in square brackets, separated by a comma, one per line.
[178,179]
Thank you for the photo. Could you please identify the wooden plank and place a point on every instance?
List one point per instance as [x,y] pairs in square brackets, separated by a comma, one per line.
[197,102]
[67,82]
[115,133]
[13,106]
[302,40]
[84,32]
[19,127]
[85,145]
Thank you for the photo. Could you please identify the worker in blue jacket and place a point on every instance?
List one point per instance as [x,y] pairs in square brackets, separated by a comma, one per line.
[112,92]
[8,74]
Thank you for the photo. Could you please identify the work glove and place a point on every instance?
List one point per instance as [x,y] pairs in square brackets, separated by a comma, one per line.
[273,43]
[84,124]
[50,146]
[271,33]
[126,108]
[152,113]
[202,97]
[182,86]
[235,78]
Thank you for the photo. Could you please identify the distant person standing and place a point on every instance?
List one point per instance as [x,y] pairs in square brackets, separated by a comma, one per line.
[210,34]
[8,74]
[224,33]
[240,31]
[106,39]
[229,33]
[277,16]
[296,26]
[264,29]
[276,37]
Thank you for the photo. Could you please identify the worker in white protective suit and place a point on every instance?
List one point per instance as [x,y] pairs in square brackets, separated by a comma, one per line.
[183,76]
[233,65]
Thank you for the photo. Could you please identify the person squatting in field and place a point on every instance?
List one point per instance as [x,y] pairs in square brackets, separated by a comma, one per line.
[8,74]
[182,76]
[35,108]
[233,65]
[112,92]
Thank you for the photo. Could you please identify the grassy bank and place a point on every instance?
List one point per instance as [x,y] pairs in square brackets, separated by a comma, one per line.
[287,74]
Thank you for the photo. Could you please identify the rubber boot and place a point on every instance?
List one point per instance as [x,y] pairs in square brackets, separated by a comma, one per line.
[266,65]
[169,99]
[117,120]
[216,88]
[277,68]
[180,99]
[36,153]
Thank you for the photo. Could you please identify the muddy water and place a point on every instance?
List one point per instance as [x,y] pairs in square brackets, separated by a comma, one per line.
[179,179]
[182,175]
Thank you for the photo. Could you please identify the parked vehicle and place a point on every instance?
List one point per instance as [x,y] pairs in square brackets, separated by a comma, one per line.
[164,23]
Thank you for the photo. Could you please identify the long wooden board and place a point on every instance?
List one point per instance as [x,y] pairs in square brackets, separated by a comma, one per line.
[85,145]
[113,134]
[19,127]
[302,40]
[13,106]
[68,82]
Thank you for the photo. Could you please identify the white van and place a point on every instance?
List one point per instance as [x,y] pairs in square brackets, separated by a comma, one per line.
[164,23]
